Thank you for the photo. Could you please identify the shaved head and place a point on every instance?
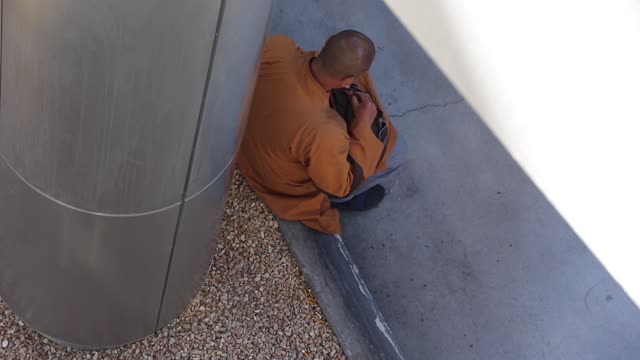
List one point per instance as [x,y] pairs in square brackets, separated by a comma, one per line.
[347,53]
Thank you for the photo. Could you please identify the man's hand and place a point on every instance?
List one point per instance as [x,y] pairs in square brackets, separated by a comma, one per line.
[364,109]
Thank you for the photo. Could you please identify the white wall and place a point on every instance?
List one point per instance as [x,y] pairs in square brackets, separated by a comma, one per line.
[559,83]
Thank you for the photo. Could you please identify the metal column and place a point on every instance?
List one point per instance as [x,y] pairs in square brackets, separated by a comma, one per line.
[119,121]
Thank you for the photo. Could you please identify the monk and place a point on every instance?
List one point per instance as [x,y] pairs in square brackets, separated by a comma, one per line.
[298,153]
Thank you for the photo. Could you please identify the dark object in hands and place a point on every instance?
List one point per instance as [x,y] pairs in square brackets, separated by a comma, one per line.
[340,101]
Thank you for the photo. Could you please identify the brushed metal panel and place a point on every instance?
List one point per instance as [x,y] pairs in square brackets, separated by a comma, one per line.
[100,99]
[94,281]
[194,246]
[237,56]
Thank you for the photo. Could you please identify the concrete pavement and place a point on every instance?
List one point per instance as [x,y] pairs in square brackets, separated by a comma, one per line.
[466,259]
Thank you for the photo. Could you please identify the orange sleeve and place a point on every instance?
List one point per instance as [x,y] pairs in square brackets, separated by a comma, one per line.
[338,161]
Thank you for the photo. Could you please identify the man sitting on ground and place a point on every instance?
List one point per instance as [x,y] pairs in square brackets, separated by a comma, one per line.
[298,153]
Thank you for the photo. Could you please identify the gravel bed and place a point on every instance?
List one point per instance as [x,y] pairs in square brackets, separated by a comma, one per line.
[254,304]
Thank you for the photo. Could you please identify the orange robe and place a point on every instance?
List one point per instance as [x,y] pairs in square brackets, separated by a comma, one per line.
[296,149]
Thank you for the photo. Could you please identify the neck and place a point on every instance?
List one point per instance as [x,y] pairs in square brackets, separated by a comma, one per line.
[319,74]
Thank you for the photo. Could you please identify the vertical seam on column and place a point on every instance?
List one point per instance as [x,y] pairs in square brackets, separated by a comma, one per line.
[192,156]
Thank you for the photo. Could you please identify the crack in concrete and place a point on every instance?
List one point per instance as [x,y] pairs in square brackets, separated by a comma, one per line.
[425,106]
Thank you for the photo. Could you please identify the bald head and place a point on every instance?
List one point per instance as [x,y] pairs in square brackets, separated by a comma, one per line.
[347,53]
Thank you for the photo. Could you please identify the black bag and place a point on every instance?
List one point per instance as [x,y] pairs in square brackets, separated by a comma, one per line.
[340,101]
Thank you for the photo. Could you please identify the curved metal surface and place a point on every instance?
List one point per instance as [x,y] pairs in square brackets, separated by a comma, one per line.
[233,73]
[102,116]
[230,89]
[84,279]
[194,247]
[101,98]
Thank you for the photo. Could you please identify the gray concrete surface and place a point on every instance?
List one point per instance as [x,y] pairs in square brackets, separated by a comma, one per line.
[345,299]
[466,258]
